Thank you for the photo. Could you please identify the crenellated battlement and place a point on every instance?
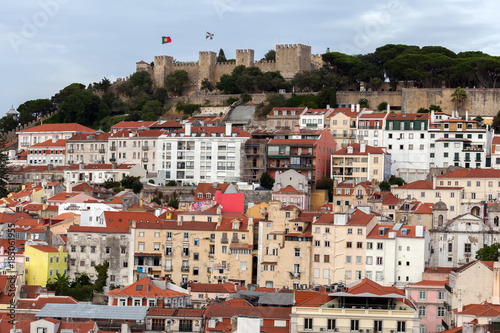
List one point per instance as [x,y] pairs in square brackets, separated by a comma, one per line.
[265,62]
[226,63]
[244,51]
[186,64]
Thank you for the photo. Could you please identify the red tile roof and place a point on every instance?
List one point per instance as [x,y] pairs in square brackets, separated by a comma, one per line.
[225,288]
[204,188]
[369,286]
[147,289]
[45,248]
[84,137]
[430,283]
[289,189]
[357,151]
[162,312]
[40,301]
[480,310]
[264,312]
[360,218]
[70,127]
[409,116]
[411,231]
[417,185]
[132,124]
[373,115]
[50,143]
[472,173]
[438,269]
[213,129]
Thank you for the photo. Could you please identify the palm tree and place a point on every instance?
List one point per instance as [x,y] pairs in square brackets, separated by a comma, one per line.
[458,97]
[61,283]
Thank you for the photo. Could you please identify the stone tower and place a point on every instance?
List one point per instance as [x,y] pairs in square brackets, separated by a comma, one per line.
[439,215]
[245,58]
[163,67]
[293,59]
[207,62]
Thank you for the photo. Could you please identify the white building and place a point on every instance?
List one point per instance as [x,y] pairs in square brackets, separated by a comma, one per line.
[314,118]
[202,154]
[100,173]
[407,140]
[47,152]
[42,133]
[397,254]
[371,128]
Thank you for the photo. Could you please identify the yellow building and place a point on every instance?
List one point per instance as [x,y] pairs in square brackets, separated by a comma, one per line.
[256,210]
[342,124]
[360,162]
[43,262]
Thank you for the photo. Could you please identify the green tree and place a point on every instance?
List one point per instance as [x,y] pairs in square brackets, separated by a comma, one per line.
[8,123]
[326,97]
[246,97]
[382,106]
[172,183]
[270,55]
[376,83]
[67,91]
[61,284]
[393,180]
[32,109]
[173,202]
[459,97]
[488,253]
[221,57]
[384,186]
[137,186]
[141,81]
[176,81]
[104,85]
[4,166]
[266,181]
[363,103]
[102,276]
[151,110]
[207,85]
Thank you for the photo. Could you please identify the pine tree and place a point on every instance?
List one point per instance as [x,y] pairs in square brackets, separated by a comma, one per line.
[221,57]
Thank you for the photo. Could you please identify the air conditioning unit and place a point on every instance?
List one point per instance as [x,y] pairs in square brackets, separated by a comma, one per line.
[361,331]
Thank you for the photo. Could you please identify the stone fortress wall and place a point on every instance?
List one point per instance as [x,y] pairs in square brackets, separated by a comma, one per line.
[290,60]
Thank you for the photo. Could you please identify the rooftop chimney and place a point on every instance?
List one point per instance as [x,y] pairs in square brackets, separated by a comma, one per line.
[187,129]
[352,107]
[466,114]
[362,147]
[328,106]
[388,108]
[358,107]
[229,129]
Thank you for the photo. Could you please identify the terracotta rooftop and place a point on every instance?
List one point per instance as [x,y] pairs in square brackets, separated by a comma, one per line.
[224,288]
[50,143]
[144,288]
[70,127]
[357,150]
[472,173]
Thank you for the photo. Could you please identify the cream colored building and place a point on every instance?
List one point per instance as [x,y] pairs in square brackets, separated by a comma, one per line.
[365,307]
[342,124]
[360,162]
[87,148]
[205,247]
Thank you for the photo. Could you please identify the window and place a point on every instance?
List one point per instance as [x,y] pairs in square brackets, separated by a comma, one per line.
[156,246]
[316,258]
[327,243]
[326,258]
[450,247]
[380,246]
[360,231]
[422,295]
[349,231]
[421,311]
[354,325]
[331,324]
[348,245]
[92,249]
[369,260]
[401,326]
[141,233]
[440,295]
[359,245]
[308,323]
[379,261]
[369,245]
[440,311]
[377,326]
[140,247]
[467,248]
[108,249]
[348,259]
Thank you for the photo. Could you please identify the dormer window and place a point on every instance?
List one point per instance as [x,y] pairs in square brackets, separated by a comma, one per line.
[209,195]
[236,225]
[200,195]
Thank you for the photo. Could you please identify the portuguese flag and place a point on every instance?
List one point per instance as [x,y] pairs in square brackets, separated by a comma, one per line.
[165,40]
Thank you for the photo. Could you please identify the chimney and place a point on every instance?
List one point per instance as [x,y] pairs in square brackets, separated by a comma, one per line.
[187,129]
[466,114]
[352,107]
[362,147]
[388,108]
[229,129]
[125,328]
[297,129]
[432,117]
[69,187]
[114,165]
[54,139]
[358,107]
[328,106]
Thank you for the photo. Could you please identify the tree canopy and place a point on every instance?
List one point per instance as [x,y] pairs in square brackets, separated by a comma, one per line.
[488,253]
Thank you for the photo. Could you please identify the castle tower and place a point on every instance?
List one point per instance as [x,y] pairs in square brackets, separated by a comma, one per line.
[245,58]
[163,67]
[293,59]
[207,62]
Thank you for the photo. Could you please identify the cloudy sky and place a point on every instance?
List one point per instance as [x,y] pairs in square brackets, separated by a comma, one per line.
[47,44]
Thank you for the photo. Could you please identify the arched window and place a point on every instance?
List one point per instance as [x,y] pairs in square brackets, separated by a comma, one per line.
[495,220]
[440,220]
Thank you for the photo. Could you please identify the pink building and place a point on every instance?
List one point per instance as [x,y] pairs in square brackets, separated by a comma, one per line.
[291,196]
[428,296]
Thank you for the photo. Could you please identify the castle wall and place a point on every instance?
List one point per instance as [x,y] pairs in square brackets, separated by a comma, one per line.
[374,97]
[193,71]
[245,57]
[207,61]
[292,59]
[222,68]
[266,65]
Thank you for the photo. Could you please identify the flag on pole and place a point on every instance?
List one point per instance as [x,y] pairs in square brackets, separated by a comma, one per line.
[209,36]
[165,40]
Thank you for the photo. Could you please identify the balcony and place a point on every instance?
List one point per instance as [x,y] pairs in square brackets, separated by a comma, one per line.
[145,148]
[294,275]
[112,148]
[224,240]
[168,269]
[473,148]
[144,159]
[185,269]
[71,150]
[25,144]
[102,150]
[301,166]
[359,196]
[112,159]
